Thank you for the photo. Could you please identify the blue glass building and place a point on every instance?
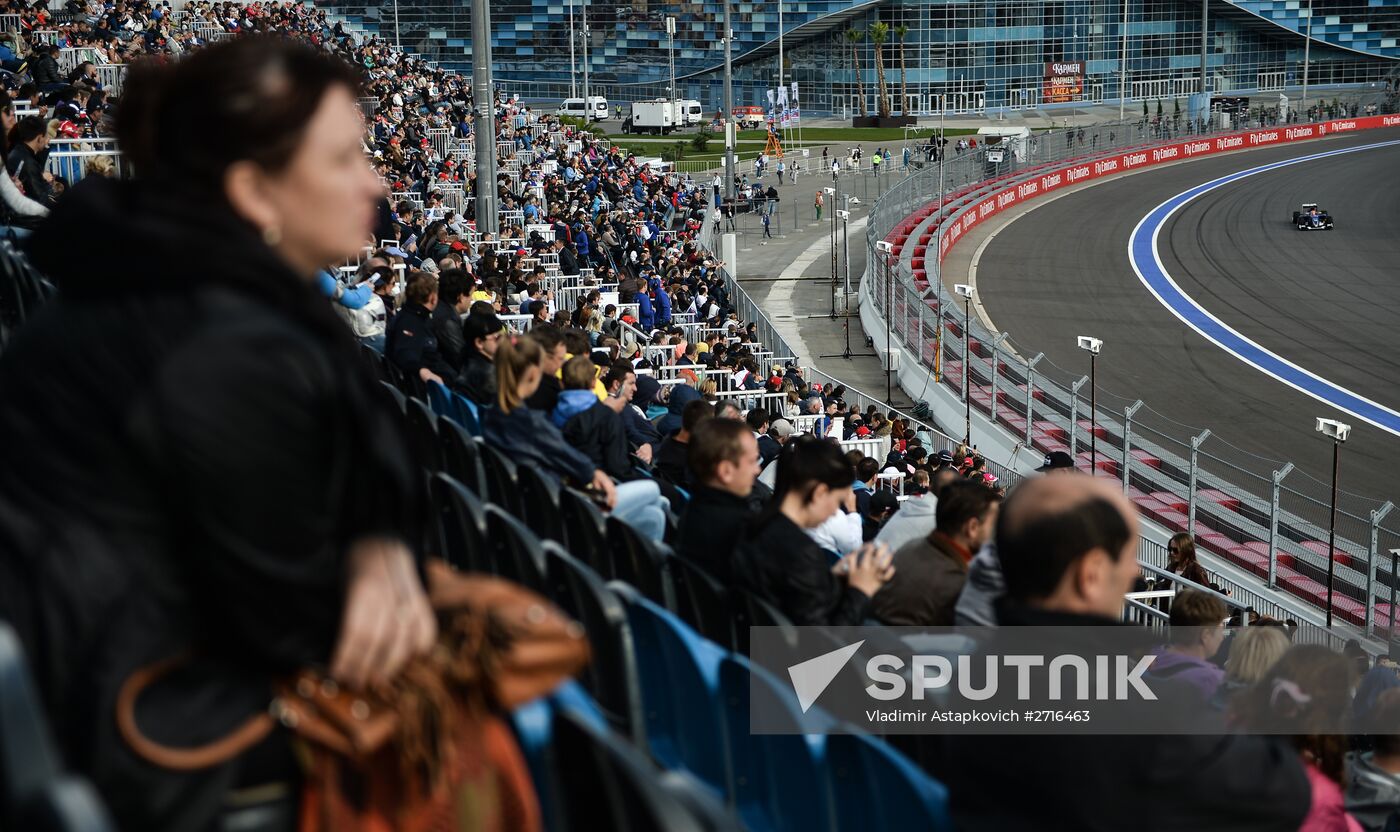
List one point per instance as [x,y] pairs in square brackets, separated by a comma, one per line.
[959,54]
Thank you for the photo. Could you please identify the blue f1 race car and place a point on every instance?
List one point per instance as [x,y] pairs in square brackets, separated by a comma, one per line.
[1312,218]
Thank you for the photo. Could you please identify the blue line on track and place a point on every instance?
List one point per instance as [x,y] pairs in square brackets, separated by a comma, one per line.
[1147,263]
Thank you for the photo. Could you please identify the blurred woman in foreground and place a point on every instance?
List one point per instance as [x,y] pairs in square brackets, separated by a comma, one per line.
[196,462]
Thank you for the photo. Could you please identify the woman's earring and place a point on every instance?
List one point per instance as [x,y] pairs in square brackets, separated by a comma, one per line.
[272,235]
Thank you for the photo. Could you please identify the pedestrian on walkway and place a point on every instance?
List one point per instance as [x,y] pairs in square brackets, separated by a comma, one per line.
[767,219]
[781,168]
[817,203]
[823,157]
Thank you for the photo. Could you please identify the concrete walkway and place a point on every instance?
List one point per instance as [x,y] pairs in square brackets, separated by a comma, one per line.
[790,275]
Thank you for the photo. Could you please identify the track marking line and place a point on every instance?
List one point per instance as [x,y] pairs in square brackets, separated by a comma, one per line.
[1146,261]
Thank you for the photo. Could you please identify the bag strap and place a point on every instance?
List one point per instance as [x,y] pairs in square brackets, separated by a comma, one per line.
[242,738]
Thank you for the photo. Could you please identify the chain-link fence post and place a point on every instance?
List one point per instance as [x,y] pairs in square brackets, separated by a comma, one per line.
[1030,394]
[1376,517]
[996,342]
[1128,441]
[1191,485]
[1074,417]
[1273,525]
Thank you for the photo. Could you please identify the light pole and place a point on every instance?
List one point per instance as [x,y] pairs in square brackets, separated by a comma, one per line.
[1338,433]
[587,104]
[845,217]
[831,192]
[484,96]
[885,249]
[1307,46]
[1092,346]
[397,45]
[676,119]
[1123,65]
[573,62]
[966,291]
[730,129]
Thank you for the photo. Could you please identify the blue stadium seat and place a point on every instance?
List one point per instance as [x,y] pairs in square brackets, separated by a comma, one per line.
[533,724]
[467,414]
[502,486]
[440,400]
[779,780]
[641,562]
[605,783]
[516,553]
[877,788]
[679,675]
[749,610]
[584,532]
[421,426]
[539,502]
[702,602]
[611,675]
[461,522]
[461,457]
[34,795]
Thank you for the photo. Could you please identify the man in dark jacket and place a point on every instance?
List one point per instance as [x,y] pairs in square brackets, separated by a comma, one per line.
[454,299]
[672,460]
[568,262]
[929,573]
[477,380]
[1068,547]
[27,157]
[409,341]
[724,458]
[768,447]
[44,69]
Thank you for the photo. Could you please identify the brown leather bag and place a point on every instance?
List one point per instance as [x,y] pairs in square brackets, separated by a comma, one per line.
[430,753]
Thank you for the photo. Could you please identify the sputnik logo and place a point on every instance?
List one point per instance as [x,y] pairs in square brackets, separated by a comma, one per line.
[813,676]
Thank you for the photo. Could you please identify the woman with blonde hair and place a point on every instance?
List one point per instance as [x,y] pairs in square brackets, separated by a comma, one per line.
[1253,652]
[709,390]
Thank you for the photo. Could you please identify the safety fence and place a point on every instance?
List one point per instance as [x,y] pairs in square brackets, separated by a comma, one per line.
[1265,517]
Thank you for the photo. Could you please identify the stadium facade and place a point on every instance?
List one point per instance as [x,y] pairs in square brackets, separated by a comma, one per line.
[965,55]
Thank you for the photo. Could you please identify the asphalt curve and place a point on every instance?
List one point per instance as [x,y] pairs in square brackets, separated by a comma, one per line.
[1327,301]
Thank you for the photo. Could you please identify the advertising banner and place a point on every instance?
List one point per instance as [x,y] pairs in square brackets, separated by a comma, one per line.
[1064,81]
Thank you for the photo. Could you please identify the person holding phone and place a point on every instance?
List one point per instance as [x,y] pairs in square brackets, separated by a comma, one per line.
[779,562]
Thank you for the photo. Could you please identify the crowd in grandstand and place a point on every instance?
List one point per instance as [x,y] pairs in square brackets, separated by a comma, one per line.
[202,460]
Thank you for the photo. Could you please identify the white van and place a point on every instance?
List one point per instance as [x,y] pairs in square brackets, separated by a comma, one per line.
[574,107]
[691,111]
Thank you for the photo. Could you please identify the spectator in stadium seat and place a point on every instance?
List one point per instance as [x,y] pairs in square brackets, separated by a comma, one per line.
[768,447]
[19,211]
[777,560]
[1181,559]
[44,69]
[866,471]
[551,340]
[1303,695]
[884,505]
[728,409]
[454,299]
[930,572]
[1373,777]
[681,396]
[1197,631]
[29,147]
[200,464]
[1252,652]
[1068,550]
[917,517]
[596,429]
[723,457]
[483,332]
[672,460]
[409,341]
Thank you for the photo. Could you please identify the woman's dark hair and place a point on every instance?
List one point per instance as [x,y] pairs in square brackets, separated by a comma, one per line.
[806,462]
[246,99]
[1306,696]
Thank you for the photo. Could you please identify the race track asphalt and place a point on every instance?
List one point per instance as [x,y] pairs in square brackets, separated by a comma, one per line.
[1327,301]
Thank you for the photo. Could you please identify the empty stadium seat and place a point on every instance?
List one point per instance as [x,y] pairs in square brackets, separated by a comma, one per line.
[461,455]
[501,485]
[462,524]
[875,788]
[702,602]
[642,563]
[605,783]
[780,782]
[539,501]
[394,395]
[584,532]
[611,675]
[678,672]
[516,552]
[421,425]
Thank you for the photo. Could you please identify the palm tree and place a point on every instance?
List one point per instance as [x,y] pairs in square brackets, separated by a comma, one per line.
[853,37]
[900,33]
[879,33]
